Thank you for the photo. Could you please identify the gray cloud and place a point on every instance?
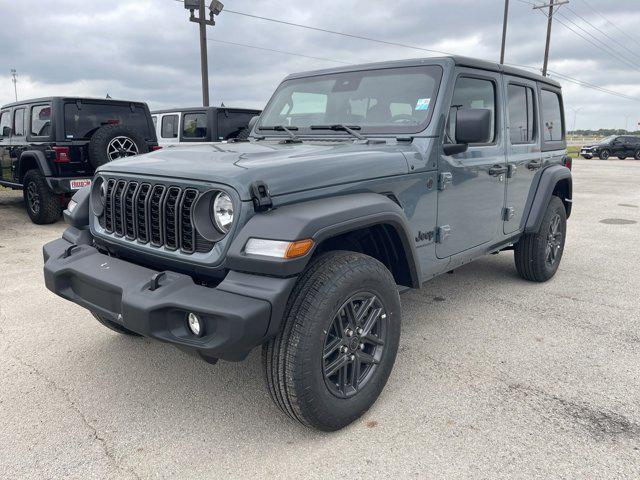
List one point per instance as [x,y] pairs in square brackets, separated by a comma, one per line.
[148,50]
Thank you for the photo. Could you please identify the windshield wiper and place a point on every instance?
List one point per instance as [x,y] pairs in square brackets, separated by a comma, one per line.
[340,127]
[282,128]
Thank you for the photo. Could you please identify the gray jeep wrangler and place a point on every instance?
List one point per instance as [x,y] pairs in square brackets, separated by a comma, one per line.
[357,183]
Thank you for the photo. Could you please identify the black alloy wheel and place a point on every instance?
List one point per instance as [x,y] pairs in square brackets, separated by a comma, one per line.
[554,240]
[604,154]
[354,344]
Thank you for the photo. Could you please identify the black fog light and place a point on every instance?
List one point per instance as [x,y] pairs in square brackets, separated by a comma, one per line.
[195,324]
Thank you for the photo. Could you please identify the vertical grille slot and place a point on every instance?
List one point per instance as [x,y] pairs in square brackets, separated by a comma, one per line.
[141,216]
[129,210]
[155,215]
[170,217]
[108,206]
[187,230]
[117,207]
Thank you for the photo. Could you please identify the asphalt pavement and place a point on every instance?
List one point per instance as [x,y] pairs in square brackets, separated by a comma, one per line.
[495,378]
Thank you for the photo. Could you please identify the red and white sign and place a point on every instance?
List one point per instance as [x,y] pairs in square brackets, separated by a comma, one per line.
[78,184]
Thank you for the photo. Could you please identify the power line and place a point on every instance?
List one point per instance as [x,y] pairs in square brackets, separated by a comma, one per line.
[603,32]
[611,23]
[334,32]
[276,51]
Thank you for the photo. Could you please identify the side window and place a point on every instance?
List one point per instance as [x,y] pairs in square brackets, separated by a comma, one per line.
[154,119]
[472,93]
[169,126]
[521,114]
[552,127]
[18,122]
[5,124]
[41,120]
[194,125]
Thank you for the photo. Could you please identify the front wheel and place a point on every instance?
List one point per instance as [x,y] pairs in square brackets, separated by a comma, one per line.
[604,154]
[538,255]
[636,155]
[338,342]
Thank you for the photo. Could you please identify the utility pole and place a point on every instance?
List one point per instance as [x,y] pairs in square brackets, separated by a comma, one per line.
[14,79]
[214,9]
[549,22]
[504,30]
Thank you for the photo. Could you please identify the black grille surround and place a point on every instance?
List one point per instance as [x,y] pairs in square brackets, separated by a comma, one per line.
[154,214]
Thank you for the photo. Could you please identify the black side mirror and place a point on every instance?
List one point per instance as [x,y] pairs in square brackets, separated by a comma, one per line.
[6,131]
[253,121]
[473,125]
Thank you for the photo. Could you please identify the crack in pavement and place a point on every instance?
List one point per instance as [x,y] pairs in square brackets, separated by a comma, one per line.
[94,432]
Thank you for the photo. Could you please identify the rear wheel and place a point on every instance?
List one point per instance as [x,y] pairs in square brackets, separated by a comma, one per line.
[338,341]
[538,255]
[116,327]
[43,206]
[604,154]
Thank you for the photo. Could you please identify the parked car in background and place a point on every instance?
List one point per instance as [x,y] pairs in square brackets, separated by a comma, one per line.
[50,147]
[621,146]
[204,124]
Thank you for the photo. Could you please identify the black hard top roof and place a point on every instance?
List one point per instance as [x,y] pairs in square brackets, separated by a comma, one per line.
[453,59]
[200,109]
[72,99]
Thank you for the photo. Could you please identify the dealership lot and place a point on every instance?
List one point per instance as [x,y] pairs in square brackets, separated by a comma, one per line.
[496,377]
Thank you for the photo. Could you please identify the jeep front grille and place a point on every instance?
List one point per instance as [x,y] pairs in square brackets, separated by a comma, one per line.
[158,215]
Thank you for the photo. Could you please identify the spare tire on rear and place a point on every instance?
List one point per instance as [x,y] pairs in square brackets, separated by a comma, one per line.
[115,141]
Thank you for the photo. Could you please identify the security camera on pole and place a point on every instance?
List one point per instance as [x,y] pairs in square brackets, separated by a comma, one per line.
[214,9]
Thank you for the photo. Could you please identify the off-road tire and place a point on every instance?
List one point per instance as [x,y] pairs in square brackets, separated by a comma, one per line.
[47,208]
[100,140]
[531,252]
[604,154]
[116,327]
[293,360]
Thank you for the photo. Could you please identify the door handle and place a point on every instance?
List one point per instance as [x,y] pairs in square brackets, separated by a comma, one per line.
[498,170]
[534,164]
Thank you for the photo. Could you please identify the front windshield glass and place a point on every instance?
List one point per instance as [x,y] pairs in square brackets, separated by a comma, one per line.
[394,100]
[607,140]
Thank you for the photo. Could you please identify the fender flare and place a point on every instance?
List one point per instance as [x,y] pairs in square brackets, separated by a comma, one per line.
[319,220]
[547,184]
[40,160]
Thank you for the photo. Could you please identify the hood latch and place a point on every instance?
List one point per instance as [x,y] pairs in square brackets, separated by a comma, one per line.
[260,196]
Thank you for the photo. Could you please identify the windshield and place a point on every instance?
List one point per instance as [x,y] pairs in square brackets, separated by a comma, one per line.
[607,140]
[394,100]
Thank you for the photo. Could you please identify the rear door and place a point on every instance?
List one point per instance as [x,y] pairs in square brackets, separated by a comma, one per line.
[523,148]
[18,139]
[5,139]
[472,186]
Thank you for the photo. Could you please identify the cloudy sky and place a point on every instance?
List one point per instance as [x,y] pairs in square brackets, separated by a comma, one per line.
[148,50]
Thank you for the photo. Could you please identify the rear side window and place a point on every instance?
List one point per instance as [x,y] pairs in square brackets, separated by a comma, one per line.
[155,121]
[194,125]
[5,122]
[18,122]
[169,126]
[41,120]
[521,114]
[82,120]
[472,93]
[230,124]
[552,126]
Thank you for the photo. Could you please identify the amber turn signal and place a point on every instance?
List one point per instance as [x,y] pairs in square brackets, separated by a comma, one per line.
[299,248]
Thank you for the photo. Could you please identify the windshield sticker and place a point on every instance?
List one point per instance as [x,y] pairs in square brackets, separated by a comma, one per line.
[423,104]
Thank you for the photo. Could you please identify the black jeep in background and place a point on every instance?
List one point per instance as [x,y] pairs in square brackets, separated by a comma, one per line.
[50,147]
[621,146]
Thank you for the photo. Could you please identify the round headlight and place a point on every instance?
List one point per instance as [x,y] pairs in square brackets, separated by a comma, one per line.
[223,212]
[103,192]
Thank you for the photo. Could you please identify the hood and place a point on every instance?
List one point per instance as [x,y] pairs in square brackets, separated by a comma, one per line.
[285,168]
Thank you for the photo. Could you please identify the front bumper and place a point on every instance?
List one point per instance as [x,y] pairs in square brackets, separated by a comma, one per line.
[236,314]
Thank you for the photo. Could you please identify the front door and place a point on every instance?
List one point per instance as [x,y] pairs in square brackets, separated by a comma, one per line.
[472,184]
[523,147]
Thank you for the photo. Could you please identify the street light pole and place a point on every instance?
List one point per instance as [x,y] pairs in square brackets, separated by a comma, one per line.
[504,30]
[14,79]
[204,62]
